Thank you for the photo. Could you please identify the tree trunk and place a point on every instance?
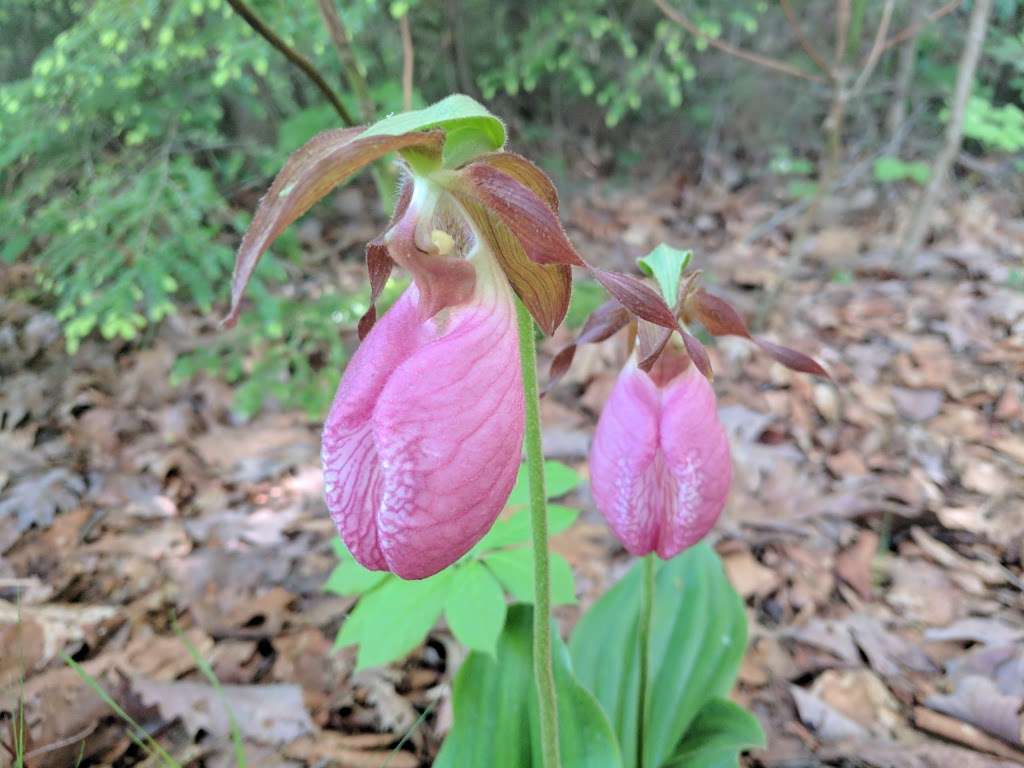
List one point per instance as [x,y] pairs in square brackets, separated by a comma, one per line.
[918,227]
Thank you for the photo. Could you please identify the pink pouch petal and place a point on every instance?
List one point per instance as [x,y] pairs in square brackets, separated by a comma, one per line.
[449,430]
[352,477]
[696,452]
[628,478]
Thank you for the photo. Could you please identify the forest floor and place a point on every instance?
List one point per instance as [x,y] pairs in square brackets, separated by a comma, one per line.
[875,528]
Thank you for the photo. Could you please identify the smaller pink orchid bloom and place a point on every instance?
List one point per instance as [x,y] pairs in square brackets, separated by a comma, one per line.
[659,466]
[422,443]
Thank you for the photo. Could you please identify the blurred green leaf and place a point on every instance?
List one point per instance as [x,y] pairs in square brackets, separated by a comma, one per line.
[495,708]
[719,733]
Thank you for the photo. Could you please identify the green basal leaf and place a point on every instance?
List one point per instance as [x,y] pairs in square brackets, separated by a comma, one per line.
[475,610]
[559,479]
[514,569]
[496,723]
[470,130]
[394,618]
[720,732]
[666,264]
[699,636]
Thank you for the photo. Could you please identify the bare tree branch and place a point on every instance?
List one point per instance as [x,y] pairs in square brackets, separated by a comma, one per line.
[804,42]
[842,34]
[347,57]
[408,61]
[915,27]
[294,57]
[768,63]
[876,49]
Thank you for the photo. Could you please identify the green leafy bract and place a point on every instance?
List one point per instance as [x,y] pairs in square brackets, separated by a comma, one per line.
[666,264]
[470,130]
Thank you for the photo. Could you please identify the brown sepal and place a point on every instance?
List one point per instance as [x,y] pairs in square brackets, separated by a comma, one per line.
[379,262]
[636,296]
[525,172]
[309,174]
[721,319]
[698,354]
[790,358]
[545,289]
[650,342]
[528,215]
[379,265]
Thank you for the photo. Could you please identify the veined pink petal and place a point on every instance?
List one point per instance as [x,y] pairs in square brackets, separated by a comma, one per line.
[424,438]
[352,477]
[660,467]
[696,451]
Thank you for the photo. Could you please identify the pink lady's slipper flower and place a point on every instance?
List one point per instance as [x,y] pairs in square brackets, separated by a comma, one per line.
[660,468]
[421,445]
[659,465]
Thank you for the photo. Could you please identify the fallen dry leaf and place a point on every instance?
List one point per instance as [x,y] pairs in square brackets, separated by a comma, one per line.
[267,714]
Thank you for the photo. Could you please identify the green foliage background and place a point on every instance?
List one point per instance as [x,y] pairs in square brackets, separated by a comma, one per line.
[135,137]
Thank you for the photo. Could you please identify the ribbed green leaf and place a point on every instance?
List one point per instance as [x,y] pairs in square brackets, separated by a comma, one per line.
[698,638]
[720,732]
[495,702]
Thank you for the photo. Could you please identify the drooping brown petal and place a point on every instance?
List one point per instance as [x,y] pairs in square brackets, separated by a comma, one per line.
[717,315]
[698,354]
[650,341]
[545,289]
[308,175]
[528,215]
[790,358]
[526,173]
[636,296]
[721,319]
[605,321]
[379,262]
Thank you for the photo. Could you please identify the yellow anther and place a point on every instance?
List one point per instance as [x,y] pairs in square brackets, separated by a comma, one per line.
[442,241]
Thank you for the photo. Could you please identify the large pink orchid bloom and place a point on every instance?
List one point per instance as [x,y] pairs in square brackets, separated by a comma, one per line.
[422,443]
[659,466]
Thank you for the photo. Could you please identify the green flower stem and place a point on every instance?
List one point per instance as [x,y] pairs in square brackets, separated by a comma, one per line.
[542,668]
[644,639]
